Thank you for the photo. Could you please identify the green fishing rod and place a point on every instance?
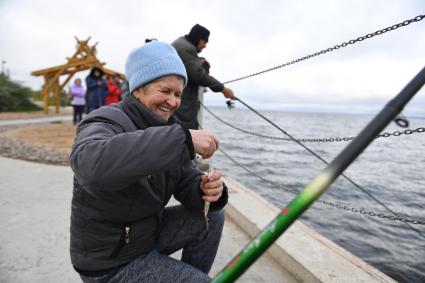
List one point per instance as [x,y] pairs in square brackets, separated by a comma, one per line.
[319,184]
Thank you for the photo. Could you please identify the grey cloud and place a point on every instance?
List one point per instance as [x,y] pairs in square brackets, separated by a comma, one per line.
[246,37]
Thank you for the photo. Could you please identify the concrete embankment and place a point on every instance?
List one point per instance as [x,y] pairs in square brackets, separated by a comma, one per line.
[306,254]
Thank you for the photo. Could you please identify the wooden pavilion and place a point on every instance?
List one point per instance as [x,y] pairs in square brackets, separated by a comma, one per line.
[83,59]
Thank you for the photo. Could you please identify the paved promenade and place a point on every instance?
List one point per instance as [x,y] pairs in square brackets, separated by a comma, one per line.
[64,118]
[34,231]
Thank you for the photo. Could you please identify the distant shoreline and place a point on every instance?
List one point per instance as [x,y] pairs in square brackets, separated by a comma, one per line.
[241,107]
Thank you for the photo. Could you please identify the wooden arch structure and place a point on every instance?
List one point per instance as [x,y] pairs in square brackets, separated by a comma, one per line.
[83,59]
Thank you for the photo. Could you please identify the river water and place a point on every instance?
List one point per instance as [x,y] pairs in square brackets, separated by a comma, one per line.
[391,169]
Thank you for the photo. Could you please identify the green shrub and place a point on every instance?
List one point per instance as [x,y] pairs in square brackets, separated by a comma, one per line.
[14,96]
[64,101]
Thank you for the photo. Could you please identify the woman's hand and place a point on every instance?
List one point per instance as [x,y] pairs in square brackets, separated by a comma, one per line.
[212,187]
[204,142]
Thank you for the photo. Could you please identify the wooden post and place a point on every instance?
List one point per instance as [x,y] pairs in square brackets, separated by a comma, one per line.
[45,93]
[57,95]
[47,89]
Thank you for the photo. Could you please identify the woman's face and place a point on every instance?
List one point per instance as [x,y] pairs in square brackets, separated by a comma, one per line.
[162,96]
[78,82]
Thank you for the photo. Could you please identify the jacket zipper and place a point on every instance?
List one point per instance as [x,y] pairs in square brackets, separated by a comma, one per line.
[127,234]
[125,239]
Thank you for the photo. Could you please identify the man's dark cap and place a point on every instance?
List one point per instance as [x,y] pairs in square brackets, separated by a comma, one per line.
[197,33]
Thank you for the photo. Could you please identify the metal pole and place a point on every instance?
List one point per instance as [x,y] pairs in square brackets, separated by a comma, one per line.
[319,184]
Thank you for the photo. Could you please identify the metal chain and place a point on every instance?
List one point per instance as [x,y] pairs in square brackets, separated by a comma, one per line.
[373,214]
[383,135]
[336,47]
[343,139]
[328,203]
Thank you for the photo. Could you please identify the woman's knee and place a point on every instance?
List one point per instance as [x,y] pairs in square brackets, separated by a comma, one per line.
[217,217]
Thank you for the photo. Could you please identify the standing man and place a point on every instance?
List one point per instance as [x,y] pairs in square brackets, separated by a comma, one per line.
[197,68]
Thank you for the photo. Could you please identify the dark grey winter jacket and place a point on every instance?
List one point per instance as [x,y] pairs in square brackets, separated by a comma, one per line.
[197,76]
[127,164]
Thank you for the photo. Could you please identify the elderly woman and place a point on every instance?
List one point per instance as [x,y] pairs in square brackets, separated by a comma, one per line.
[129,159]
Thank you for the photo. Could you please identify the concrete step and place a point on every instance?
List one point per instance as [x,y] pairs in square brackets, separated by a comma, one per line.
[306,254]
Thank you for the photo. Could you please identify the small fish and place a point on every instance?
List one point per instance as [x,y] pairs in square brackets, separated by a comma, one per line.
[206,203]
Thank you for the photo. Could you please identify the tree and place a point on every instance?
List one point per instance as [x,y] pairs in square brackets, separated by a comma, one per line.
[14,96]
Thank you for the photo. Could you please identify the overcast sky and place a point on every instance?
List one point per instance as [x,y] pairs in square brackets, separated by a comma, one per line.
[246,37]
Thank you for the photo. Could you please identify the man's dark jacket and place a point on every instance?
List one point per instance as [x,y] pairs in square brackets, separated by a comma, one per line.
[197,76]
[97,90]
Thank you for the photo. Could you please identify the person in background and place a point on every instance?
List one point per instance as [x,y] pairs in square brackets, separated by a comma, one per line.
[77,94]
[129,159]
[113,89]
[125,89]
[97,90]
[188,47]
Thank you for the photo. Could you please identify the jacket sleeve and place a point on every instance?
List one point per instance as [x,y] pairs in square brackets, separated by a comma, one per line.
[189,191]
[91,83]
[78,92]
[196,72]
[105,88]
[222,201]
[105,158]
[114,89]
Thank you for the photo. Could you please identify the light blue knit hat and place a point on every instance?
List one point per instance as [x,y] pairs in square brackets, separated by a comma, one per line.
[151,61]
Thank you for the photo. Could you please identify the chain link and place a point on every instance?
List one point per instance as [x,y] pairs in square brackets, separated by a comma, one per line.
[328,203]
[343,139]
[383,135]
[336,47]
[373,214]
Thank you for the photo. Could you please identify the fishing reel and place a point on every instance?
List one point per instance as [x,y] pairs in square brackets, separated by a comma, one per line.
[230,104]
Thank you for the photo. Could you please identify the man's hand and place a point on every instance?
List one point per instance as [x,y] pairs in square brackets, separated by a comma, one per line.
[212,187]
[205,62]
[204,142]
[228,93]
